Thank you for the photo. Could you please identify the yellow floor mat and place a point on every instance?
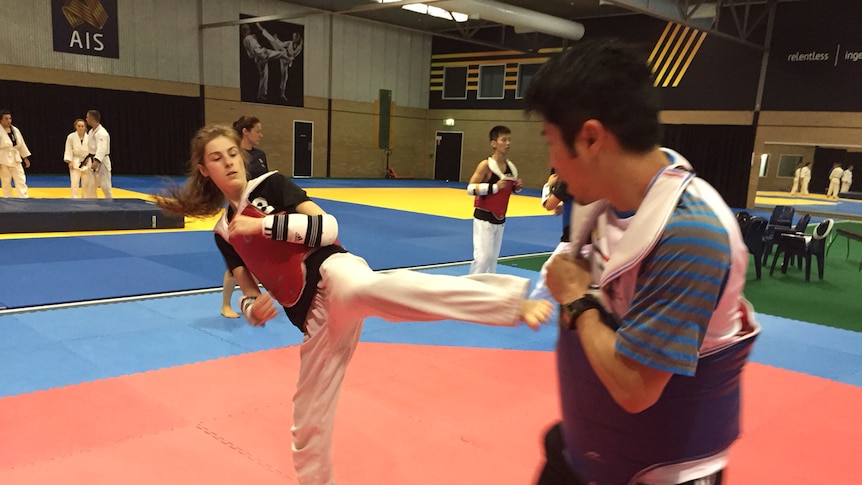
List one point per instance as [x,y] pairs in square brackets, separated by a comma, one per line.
[63,193]
[445,202]
[785,198]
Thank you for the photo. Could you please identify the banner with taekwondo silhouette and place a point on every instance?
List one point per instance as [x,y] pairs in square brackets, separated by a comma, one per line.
[271,62]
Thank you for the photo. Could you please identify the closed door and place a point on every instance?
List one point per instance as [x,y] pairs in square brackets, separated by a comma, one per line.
[302,145]
[447,155]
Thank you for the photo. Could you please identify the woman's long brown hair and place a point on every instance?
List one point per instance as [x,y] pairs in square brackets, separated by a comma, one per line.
[199,196]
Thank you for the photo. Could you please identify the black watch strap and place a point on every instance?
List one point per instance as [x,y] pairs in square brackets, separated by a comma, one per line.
[582,304]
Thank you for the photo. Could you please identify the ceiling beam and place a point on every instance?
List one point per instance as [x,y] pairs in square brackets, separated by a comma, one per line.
[305,11]
[691,13]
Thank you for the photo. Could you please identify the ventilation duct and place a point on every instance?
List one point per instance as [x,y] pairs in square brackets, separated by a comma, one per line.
[522,19]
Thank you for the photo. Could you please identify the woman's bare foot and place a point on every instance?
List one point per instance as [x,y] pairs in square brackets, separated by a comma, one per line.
[228,312]
[535,312]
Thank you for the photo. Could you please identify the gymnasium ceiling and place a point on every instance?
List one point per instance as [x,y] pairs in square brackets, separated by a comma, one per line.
[555,18]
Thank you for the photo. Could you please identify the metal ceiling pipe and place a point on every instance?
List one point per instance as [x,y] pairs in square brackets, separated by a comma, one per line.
[674,10]
[522,19]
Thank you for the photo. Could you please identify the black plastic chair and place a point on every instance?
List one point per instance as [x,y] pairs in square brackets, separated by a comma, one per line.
[801,245]
[791,246]
[781,221]
[752,234]
[817,246]
[782,215]
[802,223]
[800,227]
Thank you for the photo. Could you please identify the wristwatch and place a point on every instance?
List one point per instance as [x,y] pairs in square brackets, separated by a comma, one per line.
[582,304]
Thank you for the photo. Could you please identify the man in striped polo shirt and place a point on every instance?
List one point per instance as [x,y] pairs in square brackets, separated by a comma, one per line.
[654,329]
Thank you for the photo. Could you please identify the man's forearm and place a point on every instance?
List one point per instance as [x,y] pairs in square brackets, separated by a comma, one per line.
[634,386]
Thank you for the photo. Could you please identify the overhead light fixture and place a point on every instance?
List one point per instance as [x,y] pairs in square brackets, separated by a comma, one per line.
[436,12]
[449,122]
[523,20]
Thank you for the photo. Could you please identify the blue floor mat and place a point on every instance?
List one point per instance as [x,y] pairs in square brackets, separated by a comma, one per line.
[70,269]
[58,347]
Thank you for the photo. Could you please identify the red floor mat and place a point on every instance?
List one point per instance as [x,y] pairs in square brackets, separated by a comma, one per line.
[409,414]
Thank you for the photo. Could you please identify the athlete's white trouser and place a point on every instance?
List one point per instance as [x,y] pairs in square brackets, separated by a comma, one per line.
[834,184]
[263,70]
[541,291]
[487,241]
[16,172]
[348,292]
[103,179]
[86,180]
[845,186]
[795,188]
[284,64]
[75,178]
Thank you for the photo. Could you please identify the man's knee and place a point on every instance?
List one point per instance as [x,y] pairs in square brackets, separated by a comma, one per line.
[557,470]
[554,441]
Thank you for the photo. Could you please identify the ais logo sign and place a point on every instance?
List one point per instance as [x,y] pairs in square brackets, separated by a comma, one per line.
[87,27]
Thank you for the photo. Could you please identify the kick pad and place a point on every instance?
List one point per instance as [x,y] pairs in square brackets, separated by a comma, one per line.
[68,215]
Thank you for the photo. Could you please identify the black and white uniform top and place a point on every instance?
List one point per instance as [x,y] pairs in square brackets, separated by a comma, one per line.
[290,272]
[256,165]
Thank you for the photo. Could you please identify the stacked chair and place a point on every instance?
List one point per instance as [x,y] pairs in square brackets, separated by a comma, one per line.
[781,221]
[753,231]
[804,247]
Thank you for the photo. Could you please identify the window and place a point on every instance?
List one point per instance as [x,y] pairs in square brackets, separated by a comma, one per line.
[787,165]
[492,81]
[455,82]
[525,75]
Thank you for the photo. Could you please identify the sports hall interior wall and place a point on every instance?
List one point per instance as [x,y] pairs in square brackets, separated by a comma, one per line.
[351,151]
[799,133]
[150,132]
[343,110]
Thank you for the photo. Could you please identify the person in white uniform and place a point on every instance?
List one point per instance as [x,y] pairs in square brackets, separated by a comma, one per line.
[847,179]
[272,231]
[491,184]
[77,149]
[805,176]
[291,49]
[14,156]
[555,198]
[261,57]
[834,181]
[797,177]
[99,144]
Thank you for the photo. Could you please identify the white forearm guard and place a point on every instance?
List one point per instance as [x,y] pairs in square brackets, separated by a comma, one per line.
[482,189]
[546,193]
[311,231]
[246,304]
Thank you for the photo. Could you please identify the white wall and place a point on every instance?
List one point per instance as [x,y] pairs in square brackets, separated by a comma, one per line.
[371,57]
[159,40]
[366,57]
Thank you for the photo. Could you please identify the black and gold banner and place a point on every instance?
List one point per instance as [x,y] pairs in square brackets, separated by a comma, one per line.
[87,27]
[815,62]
